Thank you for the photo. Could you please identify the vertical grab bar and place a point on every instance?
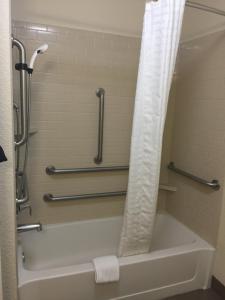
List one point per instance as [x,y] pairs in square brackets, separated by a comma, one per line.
[100,93]
[23,91]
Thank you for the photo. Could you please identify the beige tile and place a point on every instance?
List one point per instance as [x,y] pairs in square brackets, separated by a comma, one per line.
[64,112]
[198,141]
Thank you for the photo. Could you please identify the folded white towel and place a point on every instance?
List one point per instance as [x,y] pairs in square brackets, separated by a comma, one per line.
[107,269]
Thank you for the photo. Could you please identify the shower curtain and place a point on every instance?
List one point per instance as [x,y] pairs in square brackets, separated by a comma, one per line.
[160,40]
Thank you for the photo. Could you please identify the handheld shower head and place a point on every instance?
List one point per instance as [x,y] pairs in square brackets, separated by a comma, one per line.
[42,49]
[39,50]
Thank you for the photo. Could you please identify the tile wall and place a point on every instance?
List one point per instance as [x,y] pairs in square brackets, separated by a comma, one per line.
[64,115]
[198,143]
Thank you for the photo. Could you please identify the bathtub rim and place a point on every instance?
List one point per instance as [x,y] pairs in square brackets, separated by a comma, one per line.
[26,276]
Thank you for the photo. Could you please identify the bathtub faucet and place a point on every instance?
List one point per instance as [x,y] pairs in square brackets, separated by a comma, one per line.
[29,227]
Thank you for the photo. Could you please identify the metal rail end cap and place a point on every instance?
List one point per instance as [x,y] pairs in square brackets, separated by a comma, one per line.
[47,197]
[50,170]
[100,92]
[171,165]
[216,185]
[97,160]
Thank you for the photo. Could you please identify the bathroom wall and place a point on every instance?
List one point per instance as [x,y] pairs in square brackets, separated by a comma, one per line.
[219,267]
[64,117]
[7,192]
[198,23]
[64,108]
[1,291]
[77,62]
[110,16]
[123,17]
[199,134]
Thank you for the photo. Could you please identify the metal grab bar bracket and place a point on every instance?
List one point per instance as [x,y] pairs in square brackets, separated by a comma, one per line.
[100,93]
[214,184]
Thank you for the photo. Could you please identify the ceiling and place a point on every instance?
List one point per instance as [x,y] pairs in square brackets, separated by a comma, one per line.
[123,17]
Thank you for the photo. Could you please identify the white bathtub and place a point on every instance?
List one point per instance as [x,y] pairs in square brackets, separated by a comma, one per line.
[58,262]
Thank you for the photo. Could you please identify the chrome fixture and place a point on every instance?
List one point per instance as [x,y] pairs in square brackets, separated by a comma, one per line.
[51,198]
[214,184]
[206,8]
[29,227]
[22,124]
[22,120]
[24,207]
[51,170]
[23,257]
[21,67]
[100,93]
[22,188]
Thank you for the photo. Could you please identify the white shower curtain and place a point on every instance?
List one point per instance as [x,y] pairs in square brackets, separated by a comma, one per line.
[160,40]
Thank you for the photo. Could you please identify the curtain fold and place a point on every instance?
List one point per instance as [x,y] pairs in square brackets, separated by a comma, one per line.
[160,40]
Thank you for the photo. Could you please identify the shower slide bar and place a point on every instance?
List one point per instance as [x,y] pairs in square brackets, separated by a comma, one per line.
[51,198]
[100,93]
[23,92]
[214,184]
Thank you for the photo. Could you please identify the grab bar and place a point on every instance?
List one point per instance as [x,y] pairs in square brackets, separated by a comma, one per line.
[51,198]
[23,91]
[51,170]
[100,93]
[214,184]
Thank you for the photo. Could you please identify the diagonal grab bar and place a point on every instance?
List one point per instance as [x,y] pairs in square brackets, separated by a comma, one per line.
[214,184]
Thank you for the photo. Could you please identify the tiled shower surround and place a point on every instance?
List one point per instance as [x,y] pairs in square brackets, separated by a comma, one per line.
[64,115]
[199,134]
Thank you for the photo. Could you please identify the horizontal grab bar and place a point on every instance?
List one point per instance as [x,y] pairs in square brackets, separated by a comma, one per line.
[51,198]
[214,184]
[51,170]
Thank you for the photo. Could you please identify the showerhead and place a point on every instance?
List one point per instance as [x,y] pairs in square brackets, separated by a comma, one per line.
[42,49]
[39,50]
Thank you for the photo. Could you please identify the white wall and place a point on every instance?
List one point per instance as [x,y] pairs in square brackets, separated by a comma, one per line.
[199,126]
[112,16]
[197,22]
[219,268]
[64,112]
[1,295]
[7,195]
[105,15]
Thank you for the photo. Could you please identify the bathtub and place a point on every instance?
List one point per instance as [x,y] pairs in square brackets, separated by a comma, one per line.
[57,262]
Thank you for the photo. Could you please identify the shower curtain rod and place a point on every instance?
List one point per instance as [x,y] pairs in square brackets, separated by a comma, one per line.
[205,8]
